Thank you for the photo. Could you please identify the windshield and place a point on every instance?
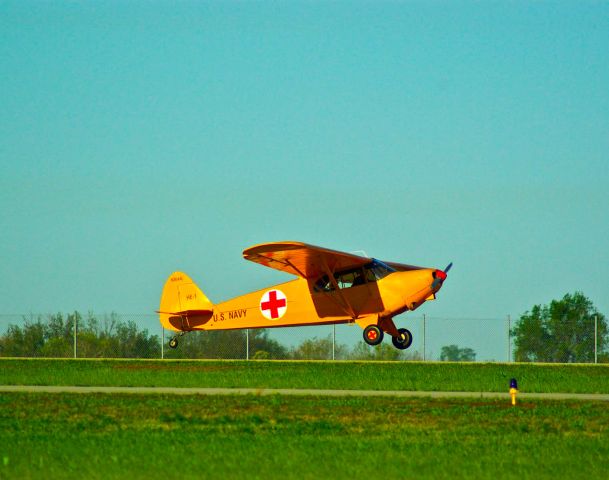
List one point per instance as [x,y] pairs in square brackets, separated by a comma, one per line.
[378,269]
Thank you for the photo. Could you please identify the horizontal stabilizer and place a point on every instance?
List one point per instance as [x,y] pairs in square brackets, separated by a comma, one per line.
[187,313]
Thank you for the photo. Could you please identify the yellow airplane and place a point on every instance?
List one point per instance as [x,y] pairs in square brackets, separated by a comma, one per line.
[333,287]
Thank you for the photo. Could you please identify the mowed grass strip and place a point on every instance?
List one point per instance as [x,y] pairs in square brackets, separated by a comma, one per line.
[131,436]
[440,376]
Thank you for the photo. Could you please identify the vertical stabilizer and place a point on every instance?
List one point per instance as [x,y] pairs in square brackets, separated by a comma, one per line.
[181,302]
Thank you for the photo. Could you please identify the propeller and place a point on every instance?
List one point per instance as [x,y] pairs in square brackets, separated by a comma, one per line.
[439,276]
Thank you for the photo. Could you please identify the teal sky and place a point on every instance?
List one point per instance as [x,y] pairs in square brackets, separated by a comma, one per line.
[139,138]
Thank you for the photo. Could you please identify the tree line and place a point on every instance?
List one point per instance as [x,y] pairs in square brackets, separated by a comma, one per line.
[109,336]
[234,344]
[565,330]
[97,337]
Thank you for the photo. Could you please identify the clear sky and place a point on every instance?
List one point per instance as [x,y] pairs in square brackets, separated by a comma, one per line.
[139,138]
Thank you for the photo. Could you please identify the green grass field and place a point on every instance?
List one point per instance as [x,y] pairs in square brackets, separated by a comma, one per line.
[441,376]
[247,436]
[154,436]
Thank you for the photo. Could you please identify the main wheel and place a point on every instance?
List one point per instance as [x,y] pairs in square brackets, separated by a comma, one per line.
[373,335]
[173,343]
[404,340]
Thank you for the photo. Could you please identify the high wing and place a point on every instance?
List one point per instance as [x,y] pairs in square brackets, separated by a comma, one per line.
[301,259]
[402,267]
[308,261]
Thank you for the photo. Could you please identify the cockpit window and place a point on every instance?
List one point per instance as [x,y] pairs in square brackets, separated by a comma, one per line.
[354,277]
[351,278]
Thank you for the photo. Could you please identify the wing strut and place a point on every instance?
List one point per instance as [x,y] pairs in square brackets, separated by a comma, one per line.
[346,305]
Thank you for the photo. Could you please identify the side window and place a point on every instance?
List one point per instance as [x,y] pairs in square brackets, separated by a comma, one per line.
[323,285]
[352,278]
[344,280]
[348,279]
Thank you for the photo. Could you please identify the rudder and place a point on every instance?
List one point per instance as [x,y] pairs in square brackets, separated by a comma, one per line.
[183,304]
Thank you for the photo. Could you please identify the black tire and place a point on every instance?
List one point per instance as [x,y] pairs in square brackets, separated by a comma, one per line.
[402,343]
[373,335]
[173,343]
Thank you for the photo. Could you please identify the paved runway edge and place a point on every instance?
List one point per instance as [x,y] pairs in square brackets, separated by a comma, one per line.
[298,392]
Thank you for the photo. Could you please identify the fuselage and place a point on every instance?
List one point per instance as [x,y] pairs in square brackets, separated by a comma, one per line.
[361,295]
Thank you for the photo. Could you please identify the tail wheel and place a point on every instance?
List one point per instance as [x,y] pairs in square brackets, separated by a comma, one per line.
[173,343]
[373,335]
[403,340]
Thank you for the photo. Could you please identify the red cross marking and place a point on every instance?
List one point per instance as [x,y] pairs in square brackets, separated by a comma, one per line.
[273,304]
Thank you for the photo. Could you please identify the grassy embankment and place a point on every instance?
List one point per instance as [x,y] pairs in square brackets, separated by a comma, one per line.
[131,436]
[486,377]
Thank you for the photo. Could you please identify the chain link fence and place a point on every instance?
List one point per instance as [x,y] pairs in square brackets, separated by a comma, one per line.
[114,335]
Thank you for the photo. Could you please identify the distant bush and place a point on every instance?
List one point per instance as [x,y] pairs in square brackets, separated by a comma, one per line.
[384,351]
[319,349]
[452,353]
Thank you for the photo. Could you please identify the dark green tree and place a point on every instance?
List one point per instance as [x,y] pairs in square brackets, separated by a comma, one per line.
[452,353]
[562,331]
[265,347]
[26,341]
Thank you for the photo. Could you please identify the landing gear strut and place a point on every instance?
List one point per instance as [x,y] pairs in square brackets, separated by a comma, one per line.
[173,343]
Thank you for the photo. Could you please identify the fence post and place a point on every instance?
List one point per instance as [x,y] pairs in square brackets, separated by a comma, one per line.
[509,322]
[247,343]
[595,338]
[333,340]
[424,356]
[162,342]
[75,322]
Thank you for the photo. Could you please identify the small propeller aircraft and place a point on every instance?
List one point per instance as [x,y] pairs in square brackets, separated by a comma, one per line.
[333,287]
